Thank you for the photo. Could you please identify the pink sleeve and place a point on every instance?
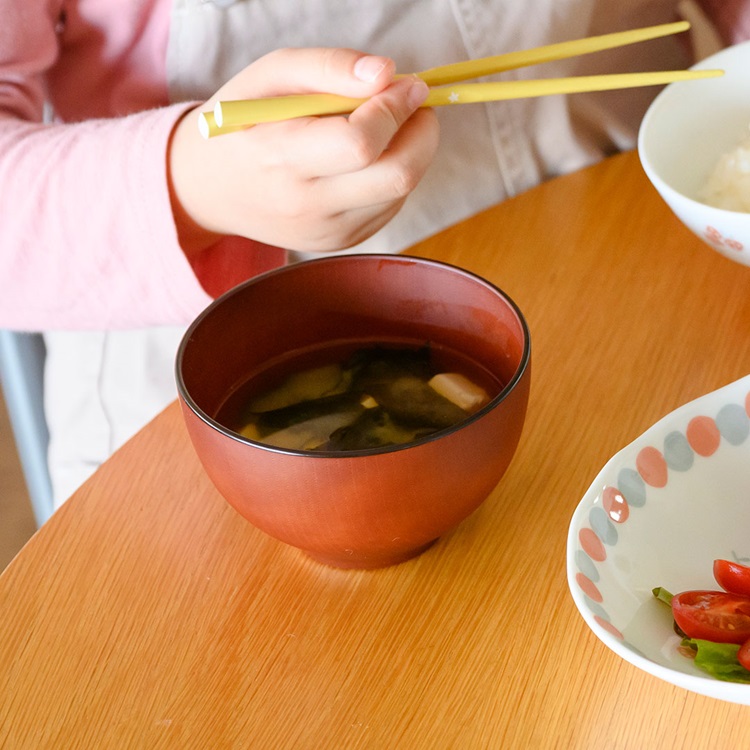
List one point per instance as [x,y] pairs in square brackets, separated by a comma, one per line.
[731,18]
[87,238]
[87,235]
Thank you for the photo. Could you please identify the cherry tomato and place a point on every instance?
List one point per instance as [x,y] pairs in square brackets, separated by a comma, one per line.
[743,655]
[732,577]
[713,615]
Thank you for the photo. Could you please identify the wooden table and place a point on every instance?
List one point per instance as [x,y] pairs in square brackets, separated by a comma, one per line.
[148,614]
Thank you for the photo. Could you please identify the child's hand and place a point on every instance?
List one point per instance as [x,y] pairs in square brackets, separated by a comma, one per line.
[311,183]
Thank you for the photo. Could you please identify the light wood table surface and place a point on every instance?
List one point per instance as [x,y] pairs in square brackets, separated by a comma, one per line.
[148,614]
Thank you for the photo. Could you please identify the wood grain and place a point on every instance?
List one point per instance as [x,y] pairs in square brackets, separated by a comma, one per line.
[146,613]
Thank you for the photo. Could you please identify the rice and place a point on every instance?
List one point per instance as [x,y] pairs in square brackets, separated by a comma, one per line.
[728,186]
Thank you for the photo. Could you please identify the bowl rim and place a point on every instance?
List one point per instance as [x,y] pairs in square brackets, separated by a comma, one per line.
[711,61]
[703,684]
[518,375]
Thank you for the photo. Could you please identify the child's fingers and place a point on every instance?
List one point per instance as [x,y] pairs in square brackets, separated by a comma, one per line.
[320,147]
[393,176]
[357,225]
[346,72]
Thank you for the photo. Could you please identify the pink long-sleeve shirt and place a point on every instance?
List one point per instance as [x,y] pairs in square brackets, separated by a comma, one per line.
[87,235]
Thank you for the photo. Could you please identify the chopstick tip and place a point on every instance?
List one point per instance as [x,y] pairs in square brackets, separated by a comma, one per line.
[218,114]
[204,127]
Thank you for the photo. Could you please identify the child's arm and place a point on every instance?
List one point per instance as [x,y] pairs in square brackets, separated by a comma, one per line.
[88,238]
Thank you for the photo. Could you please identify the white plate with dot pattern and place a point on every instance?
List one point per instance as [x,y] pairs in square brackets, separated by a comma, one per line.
[658,514]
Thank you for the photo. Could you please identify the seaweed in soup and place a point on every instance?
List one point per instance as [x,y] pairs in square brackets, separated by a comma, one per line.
[378,396]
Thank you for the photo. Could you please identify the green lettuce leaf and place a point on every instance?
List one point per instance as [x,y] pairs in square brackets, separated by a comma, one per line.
[662,595]
[718,659]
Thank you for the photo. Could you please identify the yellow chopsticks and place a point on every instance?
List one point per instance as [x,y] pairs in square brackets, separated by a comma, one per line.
[484,66]
[231,116]
[234,115]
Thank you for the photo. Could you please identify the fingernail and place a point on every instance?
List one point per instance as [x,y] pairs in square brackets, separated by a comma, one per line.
[368,68]
[418,92]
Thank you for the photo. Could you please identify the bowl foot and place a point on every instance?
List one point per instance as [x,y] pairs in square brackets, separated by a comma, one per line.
[352,560]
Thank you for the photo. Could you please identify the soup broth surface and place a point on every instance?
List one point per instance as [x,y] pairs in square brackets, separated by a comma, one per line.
[349,396]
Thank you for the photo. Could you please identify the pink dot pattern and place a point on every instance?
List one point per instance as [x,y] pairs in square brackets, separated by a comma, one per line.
[615,504]
[652,466]
[703,436]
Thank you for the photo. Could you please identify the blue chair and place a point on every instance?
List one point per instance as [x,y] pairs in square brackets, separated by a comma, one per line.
[22,378]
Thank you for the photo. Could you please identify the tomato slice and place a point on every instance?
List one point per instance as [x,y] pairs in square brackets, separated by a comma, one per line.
[732,576]
[713,615]
[743,655]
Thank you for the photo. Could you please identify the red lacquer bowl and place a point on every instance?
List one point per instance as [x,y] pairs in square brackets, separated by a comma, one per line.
[370,508]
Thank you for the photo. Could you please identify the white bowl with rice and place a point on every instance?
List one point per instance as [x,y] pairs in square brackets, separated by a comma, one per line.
[694,144]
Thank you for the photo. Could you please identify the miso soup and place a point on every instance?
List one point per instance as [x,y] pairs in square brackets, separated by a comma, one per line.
[345,397]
